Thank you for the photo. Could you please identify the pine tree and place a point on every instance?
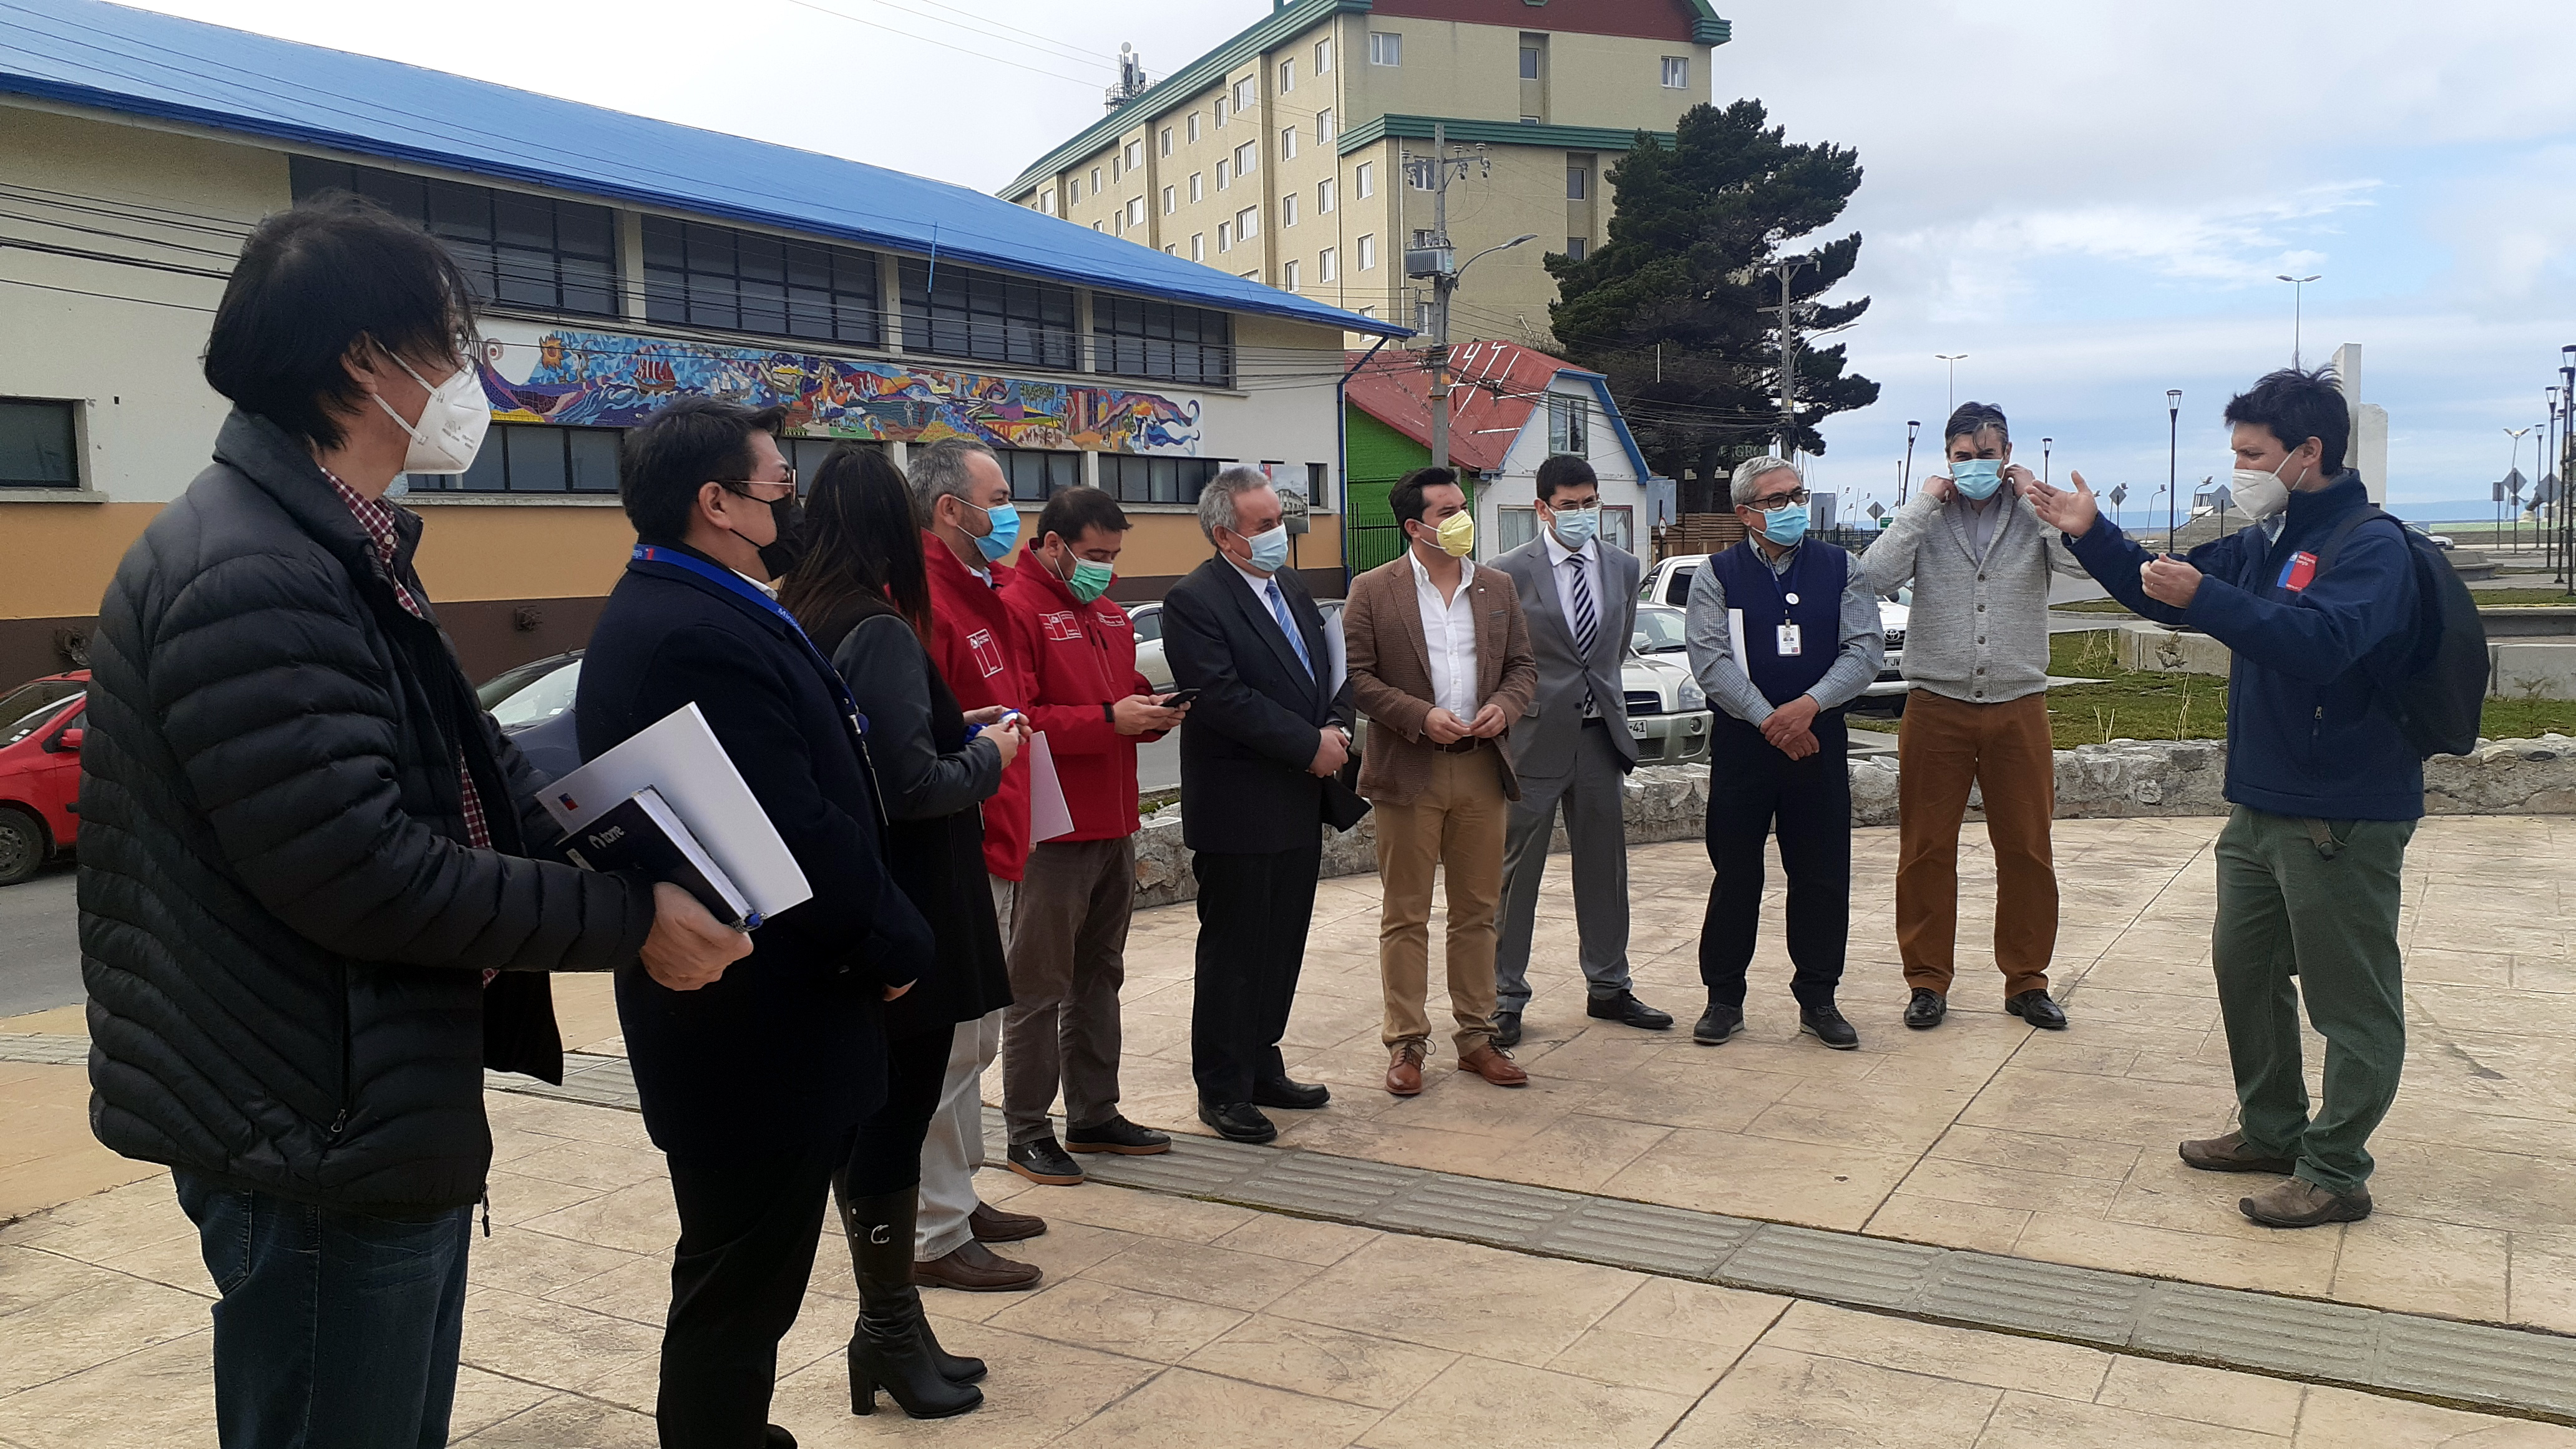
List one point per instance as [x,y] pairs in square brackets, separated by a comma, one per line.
[1690,264]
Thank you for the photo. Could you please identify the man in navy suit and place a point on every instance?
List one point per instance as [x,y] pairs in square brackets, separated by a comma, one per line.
[753,1087]
[1270,729]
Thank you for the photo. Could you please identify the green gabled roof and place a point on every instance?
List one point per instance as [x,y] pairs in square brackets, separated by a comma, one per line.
[1185,85]
[1493,133]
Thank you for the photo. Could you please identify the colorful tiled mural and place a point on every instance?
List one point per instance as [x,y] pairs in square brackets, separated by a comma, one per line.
[600,379]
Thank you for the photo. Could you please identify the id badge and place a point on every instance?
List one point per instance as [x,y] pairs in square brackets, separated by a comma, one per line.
[1790,644]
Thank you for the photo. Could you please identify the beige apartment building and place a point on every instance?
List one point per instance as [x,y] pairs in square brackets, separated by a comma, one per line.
[1280,156]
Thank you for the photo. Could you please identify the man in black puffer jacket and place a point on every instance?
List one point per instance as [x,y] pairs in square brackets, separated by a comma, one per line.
[308,919]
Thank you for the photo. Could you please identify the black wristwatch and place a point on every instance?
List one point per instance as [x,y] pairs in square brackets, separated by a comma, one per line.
[1109,712]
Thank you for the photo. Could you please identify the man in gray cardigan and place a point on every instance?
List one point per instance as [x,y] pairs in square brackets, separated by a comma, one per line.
[1976,656]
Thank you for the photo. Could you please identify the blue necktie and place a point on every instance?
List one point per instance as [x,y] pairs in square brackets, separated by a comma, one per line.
[1296,641]
[1586,625]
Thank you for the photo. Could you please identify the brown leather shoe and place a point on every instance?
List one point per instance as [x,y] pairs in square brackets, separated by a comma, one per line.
[990,1224]
[1494,1065]
[975,1268]
[2230,1154]
[1404,1069]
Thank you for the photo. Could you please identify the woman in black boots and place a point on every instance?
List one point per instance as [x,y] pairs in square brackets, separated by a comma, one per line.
[863,595]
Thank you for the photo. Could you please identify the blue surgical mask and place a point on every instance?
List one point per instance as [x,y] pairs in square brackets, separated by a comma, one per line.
[1269,550]
[1786,524]
[1977,478]
[1006,532]
[1576,526]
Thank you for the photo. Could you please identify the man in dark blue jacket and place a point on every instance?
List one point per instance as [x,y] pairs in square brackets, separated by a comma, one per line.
[754,1086]
[2327,789]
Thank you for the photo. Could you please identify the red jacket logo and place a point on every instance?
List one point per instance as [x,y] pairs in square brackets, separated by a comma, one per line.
[1061,628]
[2299,572]
[988,655]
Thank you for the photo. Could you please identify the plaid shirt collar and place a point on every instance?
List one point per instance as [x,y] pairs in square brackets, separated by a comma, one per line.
[377,519]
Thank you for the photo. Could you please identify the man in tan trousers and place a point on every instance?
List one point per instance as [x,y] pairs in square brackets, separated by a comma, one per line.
[1440,663]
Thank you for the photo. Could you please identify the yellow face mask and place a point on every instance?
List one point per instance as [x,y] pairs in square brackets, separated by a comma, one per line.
[1458,534]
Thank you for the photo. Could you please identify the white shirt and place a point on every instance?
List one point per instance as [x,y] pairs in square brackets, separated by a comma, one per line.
[1449,637]
[1589,557]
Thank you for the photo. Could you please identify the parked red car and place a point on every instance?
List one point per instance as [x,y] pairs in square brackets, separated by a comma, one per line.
[40,740]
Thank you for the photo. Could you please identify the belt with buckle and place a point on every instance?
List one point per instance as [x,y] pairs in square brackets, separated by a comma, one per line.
[1468,745]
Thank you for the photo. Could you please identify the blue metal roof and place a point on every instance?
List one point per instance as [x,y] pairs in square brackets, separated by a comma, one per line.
[115,58]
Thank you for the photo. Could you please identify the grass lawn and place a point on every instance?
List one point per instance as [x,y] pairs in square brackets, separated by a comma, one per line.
[2495,598]
[2091,606]
[2139,705]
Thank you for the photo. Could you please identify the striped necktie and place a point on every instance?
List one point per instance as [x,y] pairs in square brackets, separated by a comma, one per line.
[1587,623]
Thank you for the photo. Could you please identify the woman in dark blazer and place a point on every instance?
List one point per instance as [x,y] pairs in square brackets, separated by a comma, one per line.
[862,592]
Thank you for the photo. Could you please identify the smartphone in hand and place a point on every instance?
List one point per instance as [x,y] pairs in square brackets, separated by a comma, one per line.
[1180,699]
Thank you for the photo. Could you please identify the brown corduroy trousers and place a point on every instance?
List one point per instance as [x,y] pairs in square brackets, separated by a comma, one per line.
[1947,745]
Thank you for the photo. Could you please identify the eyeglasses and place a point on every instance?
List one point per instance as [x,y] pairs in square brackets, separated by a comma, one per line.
[737,484]
[1779,501]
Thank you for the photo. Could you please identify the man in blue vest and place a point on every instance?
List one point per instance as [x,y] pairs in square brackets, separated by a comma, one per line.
[1782,635]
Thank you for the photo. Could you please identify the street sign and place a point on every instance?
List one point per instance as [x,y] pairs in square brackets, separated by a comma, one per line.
[2119,494]
[1877,510]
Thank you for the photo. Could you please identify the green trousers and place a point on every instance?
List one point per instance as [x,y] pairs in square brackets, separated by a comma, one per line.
[2287,906]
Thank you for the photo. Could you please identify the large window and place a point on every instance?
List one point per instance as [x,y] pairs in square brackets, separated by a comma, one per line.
[1155,480]
[1246,157]
[1568,425]
[1131,337]
[987,317]
[1386,47]
[1035,474]
[534,458]
[36,447]
[518,250]
[806,455]
[748,281]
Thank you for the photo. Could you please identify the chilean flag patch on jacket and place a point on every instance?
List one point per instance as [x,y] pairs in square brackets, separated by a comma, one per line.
[2299,572]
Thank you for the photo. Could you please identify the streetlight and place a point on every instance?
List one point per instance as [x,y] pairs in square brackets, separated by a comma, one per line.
[2043,458]
[1953,359]
[2298,289]
[2516,462]
[1905,473]
[2173,457]
[1442,284]
[2567,396]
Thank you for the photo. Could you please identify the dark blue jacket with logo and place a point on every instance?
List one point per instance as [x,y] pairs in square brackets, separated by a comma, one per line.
[2304,736]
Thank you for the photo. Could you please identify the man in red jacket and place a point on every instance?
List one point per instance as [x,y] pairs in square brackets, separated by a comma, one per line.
[1068,951]
[969,526]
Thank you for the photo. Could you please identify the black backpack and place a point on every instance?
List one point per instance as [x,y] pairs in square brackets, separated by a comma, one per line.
[2434,684]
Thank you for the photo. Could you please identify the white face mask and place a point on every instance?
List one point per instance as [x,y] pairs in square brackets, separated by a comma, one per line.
[2259,493]
[452,423]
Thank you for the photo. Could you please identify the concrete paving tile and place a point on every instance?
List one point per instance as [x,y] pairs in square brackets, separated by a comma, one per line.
[1917,1219]
[1299,1240]
[550,1343]
[2058,1370]
[75,1316]
[2037,1152]
[1150,1214]
[1325,1362]
[2107,1109]
[1797,1182]
[2341,1418]
[2204,1395]
[1870,1115]
[1696,1091]
[103,1224]
[537,1264]
[1177,1407]
[154,1396]
[1202,1274]
[2010,1187]
[2542,1281]
[1527,1310]
[1539,1405]
[2301,1263]
[1777,1399]
[1112,1319]
[2417,1266]
[565,1419]
[638,1289]
[639,1219]
[599,1165]
[516,1200]
[2029,1421]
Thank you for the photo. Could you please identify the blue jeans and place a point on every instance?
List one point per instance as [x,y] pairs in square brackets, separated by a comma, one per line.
[336,1328]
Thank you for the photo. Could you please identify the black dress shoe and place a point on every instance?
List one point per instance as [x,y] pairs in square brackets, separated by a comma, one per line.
[1117,1135]
[1507,1028]
[1827,1025]
[1043,1161]
[1238,1121]
[1626,1010]
[1293,1096]
[1717,1024]
[2038,1009]
[776,1438]
[1927,1008]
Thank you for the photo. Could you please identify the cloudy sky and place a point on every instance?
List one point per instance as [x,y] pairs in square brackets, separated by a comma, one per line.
[2089,200]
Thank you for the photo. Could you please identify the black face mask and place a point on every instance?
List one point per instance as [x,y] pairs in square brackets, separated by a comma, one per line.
[788,516]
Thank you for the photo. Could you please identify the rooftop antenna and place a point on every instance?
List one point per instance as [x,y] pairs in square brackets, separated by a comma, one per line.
[1131,77]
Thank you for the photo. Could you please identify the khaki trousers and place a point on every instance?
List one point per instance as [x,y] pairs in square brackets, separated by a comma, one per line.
[1068,957]
[1945,746]
[1454,827]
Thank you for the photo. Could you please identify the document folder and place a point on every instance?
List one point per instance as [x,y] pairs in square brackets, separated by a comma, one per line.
[679,760]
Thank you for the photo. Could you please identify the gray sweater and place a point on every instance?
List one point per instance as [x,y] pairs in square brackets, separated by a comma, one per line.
[1979,631]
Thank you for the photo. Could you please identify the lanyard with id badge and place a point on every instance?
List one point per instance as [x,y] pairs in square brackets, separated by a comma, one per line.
[1790,641]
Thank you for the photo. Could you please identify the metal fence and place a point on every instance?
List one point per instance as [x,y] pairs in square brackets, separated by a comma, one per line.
[1366,545]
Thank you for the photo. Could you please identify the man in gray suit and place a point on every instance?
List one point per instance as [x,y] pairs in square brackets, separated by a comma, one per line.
[1580,593]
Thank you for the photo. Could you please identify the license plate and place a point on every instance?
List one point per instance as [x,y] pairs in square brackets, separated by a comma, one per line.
[1637,729]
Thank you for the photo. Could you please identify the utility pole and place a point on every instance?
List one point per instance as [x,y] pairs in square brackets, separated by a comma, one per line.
[1788,362]
[1437,261]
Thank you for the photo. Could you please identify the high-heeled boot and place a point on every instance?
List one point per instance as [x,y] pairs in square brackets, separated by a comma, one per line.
[957,1368]
[892,1347]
